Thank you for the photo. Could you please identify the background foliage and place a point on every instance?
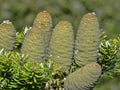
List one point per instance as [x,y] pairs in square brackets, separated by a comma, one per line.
[107,11]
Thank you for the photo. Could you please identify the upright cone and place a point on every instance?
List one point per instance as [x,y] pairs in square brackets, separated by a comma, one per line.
[33,46]
[87,40]
[43,22]
[61,45]
[36,43]
[7,35]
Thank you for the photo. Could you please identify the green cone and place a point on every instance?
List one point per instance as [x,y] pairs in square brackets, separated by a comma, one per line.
[61,45]
[43,22]
[36,43]
[33,45]
[7,35]
[87,40]
[84,78]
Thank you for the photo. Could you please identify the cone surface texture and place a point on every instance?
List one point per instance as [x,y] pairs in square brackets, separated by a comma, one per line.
[87,40]
[36,43]
[33,46]
[7,35]
[61,45]
[43,22]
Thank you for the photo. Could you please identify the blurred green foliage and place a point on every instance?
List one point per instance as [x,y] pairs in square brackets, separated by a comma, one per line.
[23,12]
